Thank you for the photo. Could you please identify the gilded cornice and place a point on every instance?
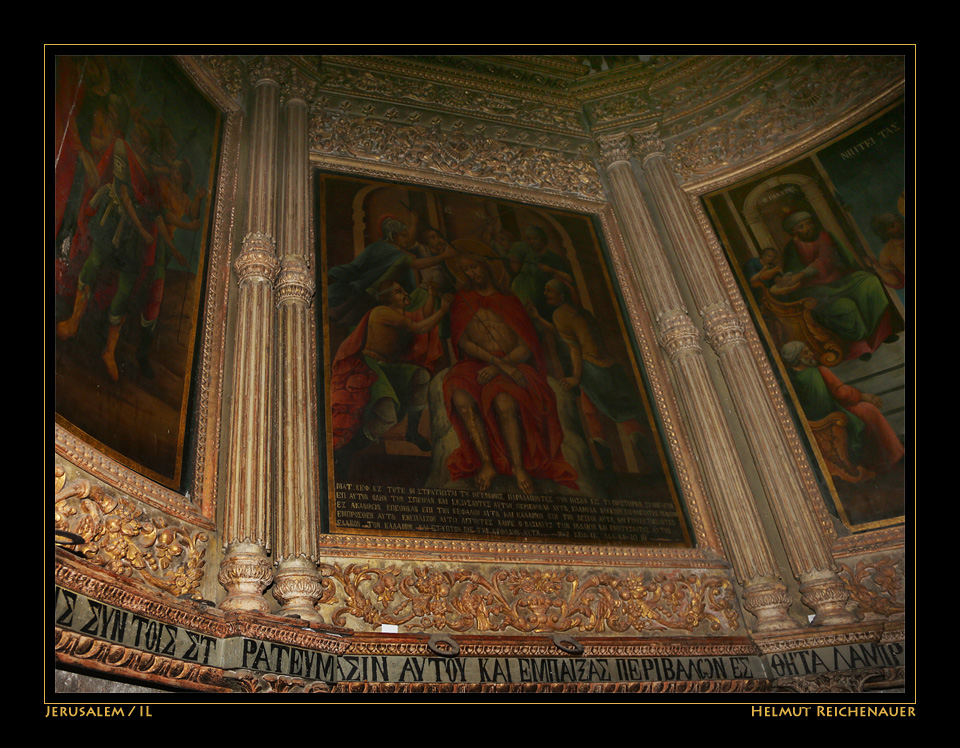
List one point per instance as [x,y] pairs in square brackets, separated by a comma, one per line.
[480,97]
[808,98]
[463,150]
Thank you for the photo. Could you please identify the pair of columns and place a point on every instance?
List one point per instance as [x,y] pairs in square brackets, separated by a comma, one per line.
[746,542]
[265,511]
[274,328]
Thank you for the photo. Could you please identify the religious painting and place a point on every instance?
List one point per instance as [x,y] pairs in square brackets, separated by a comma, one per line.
[480,377]
[820,247]
[135,148]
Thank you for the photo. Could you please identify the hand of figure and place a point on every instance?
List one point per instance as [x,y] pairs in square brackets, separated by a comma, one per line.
[568,383]
[488,374]
[872,399]
[446,301]
[515,374]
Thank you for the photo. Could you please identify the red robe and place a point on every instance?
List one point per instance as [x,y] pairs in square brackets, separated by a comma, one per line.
[540,423]
[881,447]
[351,378]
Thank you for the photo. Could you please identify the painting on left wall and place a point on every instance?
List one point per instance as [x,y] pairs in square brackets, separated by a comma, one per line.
[135,149]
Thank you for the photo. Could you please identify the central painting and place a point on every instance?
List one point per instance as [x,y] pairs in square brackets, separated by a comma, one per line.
[479,375]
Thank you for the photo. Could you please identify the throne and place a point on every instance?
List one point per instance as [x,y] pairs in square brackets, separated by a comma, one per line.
[831,435]
[796,322]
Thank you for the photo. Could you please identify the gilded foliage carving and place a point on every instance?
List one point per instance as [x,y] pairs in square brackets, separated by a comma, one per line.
[875,585]
[461,151]
[117,536]
[759,121]
[530,601]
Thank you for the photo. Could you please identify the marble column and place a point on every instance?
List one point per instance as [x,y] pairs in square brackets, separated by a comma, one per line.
[807,549]
[297,585]
[246,569]
[764,593]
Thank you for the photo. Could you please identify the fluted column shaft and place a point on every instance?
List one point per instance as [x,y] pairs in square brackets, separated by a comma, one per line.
[298,585]
[806,547]
[745,542]
[246,570]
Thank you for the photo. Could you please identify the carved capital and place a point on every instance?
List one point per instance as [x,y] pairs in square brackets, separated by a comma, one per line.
[296,88]
[257,259]
[267,69]
[245,573]
[721,326]
[294,282]
[678,334]
[613,149]
[645,143]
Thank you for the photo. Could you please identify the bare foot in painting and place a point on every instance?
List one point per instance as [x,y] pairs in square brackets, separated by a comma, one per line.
[485,477]
[524,481]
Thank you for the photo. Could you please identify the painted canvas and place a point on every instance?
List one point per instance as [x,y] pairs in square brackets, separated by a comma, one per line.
[479,374]
[135,149]
[820,247]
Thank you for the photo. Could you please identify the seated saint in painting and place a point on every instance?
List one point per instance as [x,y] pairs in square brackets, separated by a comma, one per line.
[850,302]
[497,396]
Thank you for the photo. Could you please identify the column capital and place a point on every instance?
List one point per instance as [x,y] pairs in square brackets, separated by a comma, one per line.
[294,281]
[645,142]
[721,326]
[613,148]
[296,88]
[267,69]
[678,334]
[257,258]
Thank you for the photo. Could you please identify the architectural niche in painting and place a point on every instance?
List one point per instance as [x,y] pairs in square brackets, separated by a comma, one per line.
[540,373]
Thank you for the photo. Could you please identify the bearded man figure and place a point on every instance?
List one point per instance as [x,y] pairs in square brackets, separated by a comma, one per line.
[851,302]
[497,396]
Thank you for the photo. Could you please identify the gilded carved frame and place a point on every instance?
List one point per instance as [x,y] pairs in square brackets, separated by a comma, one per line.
[706,552]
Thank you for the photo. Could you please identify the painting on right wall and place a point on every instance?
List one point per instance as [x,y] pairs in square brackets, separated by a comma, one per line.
[819,246]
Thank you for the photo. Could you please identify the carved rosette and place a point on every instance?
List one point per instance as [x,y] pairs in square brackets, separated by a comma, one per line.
[118,536]
[530,600]
[245,572]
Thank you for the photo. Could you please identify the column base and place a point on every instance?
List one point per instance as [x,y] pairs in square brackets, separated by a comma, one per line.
[769,602]
[245,572]
[826,595]
[298,587]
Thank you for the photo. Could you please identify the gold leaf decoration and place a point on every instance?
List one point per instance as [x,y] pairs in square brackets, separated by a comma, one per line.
[530,601]
[875,585]
[119,537]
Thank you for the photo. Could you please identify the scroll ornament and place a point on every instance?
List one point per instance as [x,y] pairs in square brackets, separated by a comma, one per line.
[116,535]
[530,601]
